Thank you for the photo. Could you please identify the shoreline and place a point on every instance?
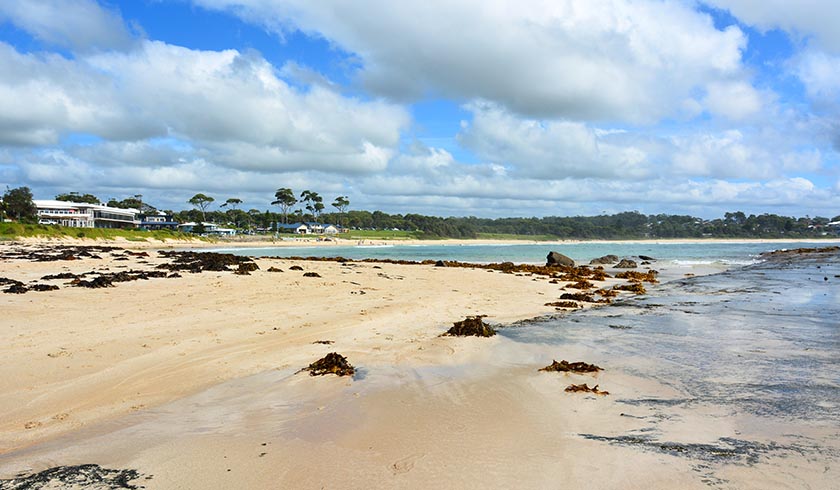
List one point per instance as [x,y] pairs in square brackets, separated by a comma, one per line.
[341,242]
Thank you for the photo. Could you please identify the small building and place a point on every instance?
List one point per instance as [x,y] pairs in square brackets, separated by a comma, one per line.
[331,230]
[209,229]
[158,221]
[299,228]
[85,215]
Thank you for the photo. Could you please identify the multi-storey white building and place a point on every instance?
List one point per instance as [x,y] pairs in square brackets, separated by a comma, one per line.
[83,215]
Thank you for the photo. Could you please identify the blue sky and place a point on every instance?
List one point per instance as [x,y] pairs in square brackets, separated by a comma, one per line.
[486,108]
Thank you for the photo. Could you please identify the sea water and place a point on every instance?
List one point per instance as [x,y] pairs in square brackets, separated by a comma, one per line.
[678,254]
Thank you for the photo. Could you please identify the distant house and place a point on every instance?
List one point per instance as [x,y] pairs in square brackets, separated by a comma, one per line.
[299,228]
[85,215]
[158,222]
[209,229]
[834,226]
[331,230]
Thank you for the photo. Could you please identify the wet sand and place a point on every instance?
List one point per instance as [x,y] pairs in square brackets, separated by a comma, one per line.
[188,382]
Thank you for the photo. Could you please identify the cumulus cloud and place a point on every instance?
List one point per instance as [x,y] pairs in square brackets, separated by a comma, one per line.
[75,24]
[602,60]
[816,19]
[549,149]
[232,105]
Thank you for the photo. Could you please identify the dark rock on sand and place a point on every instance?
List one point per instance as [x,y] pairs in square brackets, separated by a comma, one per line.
[648,258]
[555,259]
[440,263]
[311,274]
[471,326]
[332,363]
[626,264]
[571,367]
[295,268]
[606,259]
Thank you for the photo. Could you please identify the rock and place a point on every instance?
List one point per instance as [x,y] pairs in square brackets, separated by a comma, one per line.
[648,258]
[555,259]
[626,264]
[440,263]
[311,274]
[606,259]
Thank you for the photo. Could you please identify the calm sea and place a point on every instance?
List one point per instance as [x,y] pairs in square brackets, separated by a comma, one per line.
[724,254]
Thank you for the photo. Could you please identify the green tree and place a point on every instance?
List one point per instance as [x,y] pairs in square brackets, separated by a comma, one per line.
[341,203]
[285,199]
[201,202]
[313,202]
[76,197]
[18,204]
[231,213]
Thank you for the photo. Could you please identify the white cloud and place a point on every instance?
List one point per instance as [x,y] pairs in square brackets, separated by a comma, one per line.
[734,100]
[802,18]
[75,24]
[230,105]
[592,60]
[820,73]
[549,149]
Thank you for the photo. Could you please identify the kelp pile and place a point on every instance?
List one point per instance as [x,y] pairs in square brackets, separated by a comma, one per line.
[563,304]
[332,363]
[571,367]
[204,261]
[649,276]
[584,388]
[472,326]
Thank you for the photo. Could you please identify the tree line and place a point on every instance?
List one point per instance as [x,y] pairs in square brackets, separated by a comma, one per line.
[17,204]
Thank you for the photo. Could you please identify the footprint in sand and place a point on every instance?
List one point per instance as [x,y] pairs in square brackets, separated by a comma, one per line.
[406,464]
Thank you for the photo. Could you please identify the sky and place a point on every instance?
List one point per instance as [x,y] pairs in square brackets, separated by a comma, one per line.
[445,107]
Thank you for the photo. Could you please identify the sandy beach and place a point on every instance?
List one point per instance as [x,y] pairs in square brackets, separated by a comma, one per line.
[195,382]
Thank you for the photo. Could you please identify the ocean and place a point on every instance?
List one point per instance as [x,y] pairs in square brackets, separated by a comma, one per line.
[686,255]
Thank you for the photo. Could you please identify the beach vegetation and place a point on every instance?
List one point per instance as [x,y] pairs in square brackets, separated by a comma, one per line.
[77,197]
[285,199]
[10,231]
[18,204]
[201,202]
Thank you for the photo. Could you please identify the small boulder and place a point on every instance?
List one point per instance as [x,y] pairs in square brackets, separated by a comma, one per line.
[556,259]
[647,258]
[626,264]
[606,259]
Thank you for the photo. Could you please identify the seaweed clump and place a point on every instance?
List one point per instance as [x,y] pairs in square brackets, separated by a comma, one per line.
[332,363]
[472,326]
[571,367]
[563,304]
[584,388]
[84,475]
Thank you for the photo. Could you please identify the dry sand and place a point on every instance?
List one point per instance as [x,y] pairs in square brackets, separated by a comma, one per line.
[194,382]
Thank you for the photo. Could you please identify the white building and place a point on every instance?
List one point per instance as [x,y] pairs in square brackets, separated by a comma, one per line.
[84,215]
[209,228]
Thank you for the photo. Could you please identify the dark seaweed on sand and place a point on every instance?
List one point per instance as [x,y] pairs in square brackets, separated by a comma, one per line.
[332,363]
[565,366]
[81,476]
[472,326]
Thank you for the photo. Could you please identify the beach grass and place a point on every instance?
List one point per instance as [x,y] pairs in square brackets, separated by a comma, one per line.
[23,230]
[511,236]
[382,235]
